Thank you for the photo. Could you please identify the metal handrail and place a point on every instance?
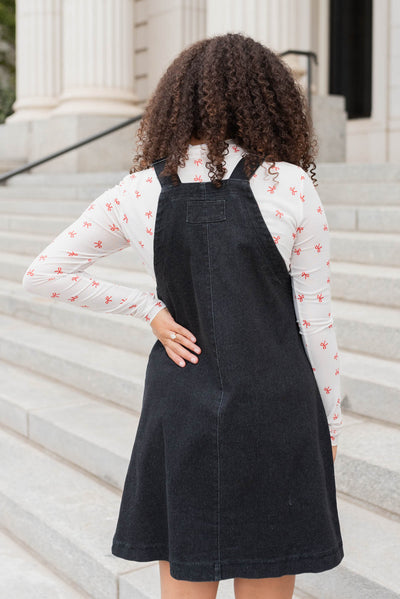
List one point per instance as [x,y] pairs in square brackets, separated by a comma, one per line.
[309,55]
[78,144]
[134,119]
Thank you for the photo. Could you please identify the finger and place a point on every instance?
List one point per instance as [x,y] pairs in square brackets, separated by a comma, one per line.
[181,351]
[185,341]
[174,357]
[185,332]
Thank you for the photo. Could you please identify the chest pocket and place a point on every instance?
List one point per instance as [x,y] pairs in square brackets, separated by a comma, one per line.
[205,211]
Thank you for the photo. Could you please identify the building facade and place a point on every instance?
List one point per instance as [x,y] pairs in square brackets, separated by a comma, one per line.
[83,65]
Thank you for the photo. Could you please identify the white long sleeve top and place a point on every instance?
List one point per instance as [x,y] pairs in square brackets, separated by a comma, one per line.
[124,216]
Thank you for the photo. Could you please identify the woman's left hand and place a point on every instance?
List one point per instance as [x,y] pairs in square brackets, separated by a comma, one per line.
[163,324]
[334,451]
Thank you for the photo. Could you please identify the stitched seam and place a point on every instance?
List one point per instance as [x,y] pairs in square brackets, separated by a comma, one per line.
[325,552]
[220,402]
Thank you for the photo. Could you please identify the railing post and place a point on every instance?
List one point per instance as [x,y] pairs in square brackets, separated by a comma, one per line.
[309,56]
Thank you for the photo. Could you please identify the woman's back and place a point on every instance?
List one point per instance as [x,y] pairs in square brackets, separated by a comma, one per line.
[125,215]
[231,473]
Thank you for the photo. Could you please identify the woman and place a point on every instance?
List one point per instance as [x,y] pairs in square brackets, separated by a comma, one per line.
[232,468]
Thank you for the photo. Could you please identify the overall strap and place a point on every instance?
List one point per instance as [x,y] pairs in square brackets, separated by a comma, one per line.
[159,167]
[239,173]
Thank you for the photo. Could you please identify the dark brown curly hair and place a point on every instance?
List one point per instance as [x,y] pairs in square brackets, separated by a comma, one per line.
[227,87]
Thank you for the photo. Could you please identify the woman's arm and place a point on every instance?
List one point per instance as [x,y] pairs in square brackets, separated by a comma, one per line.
[310,271]
[59,270]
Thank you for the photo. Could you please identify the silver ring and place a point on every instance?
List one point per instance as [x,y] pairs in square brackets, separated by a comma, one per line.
[173,335]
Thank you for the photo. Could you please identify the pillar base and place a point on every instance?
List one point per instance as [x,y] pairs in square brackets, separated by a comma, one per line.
[26,141]
[330,123]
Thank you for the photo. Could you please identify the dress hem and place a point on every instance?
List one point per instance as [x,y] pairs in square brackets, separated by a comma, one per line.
[225,569]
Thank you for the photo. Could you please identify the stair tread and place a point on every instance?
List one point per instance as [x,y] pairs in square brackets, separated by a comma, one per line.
[372,442]
[53,342]
[23,576]
[371,543]
[369,270]
[16,290]
[78,503]
[346,172]
[366,236]
[371,368]
[368,313]
[63,179]
[78,413]
[80,416]
[65,505]
[119,274]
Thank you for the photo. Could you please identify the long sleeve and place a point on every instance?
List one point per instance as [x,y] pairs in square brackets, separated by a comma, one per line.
[59,270]
[310,271]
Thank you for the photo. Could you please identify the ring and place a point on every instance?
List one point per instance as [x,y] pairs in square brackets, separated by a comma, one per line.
[173,335]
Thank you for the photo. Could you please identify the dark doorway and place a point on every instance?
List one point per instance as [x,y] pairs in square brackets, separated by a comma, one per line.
[350,61]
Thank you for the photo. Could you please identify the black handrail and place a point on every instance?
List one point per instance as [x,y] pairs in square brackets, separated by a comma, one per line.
[134,119]
[309,55]
[78,144]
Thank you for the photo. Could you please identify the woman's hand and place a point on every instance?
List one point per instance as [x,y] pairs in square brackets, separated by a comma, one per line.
[334,451]
[163,324]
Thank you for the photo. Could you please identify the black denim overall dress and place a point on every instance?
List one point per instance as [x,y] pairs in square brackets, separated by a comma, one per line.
[231,472]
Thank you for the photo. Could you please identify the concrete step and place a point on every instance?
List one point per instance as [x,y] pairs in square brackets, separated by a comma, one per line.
[347,172]
[368,193]
[369,569]
[86,431]
[370,386]
[63,515]
[369,284]
[13,267]
[41,207]
[381,249]
[379,219]
[85,192]
[118,330]
[367,464]
[365,283]
[71,527]
[98,437]
[24,576]
[113,374]
[335,172]
[31,223]
[367,329]
[30,245]
[103,179]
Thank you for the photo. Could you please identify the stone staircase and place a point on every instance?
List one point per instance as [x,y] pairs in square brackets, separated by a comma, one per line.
[72,383]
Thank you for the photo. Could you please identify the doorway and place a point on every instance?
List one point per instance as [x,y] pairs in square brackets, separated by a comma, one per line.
[350,54]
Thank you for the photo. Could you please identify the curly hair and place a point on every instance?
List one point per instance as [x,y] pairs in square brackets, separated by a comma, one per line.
[227,87]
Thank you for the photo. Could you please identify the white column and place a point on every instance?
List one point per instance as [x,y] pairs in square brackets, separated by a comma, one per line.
[98,57]
[393,125]
[172,26]
[37,58]
[279,24]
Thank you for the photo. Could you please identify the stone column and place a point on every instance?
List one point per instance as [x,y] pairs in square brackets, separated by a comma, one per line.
[279,24]
[38,44]
[172,26]
[98,58]
[393,123]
